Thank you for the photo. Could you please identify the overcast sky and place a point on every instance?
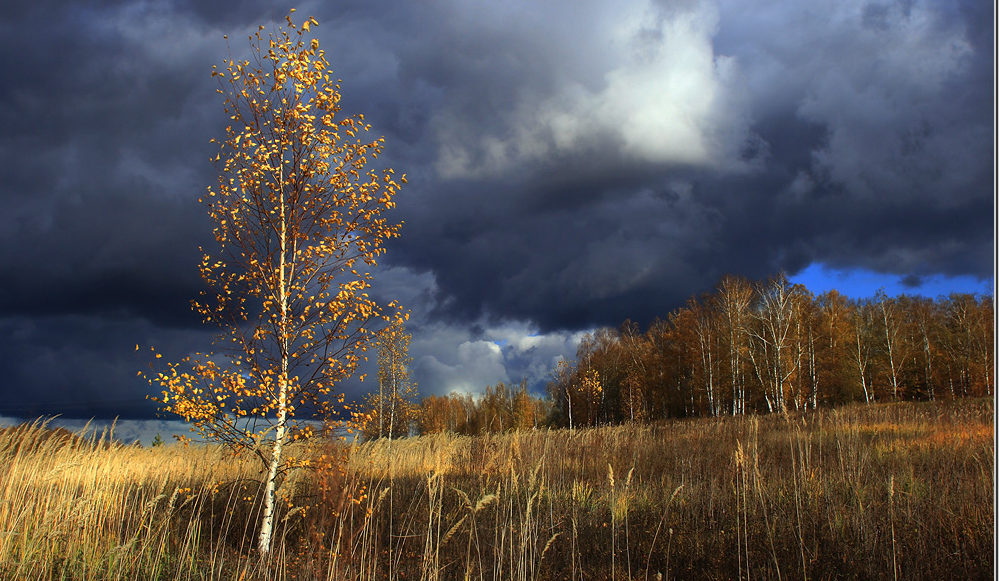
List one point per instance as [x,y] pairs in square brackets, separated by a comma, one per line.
[571,164]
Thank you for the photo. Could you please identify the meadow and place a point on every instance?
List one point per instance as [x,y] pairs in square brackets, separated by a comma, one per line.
[884,491]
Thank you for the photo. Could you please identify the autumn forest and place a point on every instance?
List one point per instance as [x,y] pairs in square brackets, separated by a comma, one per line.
[750,348]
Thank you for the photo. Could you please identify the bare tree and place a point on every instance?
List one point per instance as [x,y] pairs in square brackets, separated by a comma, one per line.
[862,351]
[771,335]
[735,295]
[896,347]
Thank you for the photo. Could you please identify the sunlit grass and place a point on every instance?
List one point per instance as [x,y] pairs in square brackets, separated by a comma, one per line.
[886,491]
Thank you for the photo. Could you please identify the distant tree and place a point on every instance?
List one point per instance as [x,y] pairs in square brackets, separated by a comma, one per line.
[668,372]
[638,364]
[591,390]
[926,317]
[735,295]
[603,351]
[496,409]
[834,356]
[560,391]
[157,441]
[390,411]
[969,329]
[528,411]
[298,219]
[772,353]
[450,413]
[706,327]
[896,348]
[983,330]
[806,374]
[862,347]
[435,415]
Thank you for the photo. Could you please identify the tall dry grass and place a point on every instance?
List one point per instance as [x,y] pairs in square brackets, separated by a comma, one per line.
[866,492]
[83,507]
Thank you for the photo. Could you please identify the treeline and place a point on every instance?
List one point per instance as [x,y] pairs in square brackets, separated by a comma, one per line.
[774,346]
[748,347]
[501,408]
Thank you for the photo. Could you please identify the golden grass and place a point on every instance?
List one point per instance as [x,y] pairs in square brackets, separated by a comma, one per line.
[863,492]
[82,508]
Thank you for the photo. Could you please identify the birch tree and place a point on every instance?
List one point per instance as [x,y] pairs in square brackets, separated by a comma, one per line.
[896,345]
[969,323]
[395,404]
[925,316]
[861,350]
[771,334]
[560,389]
[299,223]
[805,315]
[638,350]
[734,297]
[705,328]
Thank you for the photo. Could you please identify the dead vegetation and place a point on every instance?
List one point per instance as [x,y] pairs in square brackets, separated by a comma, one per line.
[862,492]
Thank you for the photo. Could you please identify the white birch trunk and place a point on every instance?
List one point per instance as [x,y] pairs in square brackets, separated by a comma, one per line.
[270,485]
[862,367]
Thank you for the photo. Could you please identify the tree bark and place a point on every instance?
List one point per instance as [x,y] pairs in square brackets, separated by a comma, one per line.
[270,485]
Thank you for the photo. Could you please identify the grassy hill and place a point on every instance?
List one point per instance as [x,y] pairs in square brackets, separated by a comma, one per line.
[866,492]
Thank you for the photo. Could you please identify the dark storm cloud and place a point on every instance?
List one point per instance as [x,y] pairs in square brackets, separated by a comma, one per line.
[82,366]
[569,166]
[103,130]
[106,118]
[856,135]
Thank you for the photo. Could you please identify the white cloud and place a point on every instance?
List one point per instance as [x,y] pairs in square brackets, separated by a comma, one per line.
[472,366]
[661,99]
[531,355]
[466,357]
[448,359]
[662,96]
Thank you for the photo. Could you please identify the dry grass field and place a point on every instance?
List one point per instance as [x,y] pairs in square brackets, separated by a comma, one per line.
[890,491]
